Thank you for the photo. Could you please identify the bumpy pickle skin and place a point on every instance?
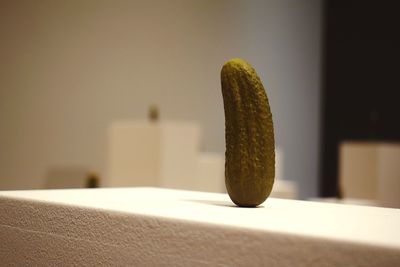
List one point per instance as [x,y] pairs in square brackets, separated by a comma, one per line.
[249,135]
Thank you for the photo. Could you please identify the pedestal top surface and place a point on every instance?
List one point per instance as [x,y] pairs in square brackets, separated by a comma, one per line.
[360,224]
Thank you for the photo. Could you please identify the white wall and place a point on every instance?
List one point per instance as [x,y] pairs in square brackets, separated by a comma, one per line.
[69,68]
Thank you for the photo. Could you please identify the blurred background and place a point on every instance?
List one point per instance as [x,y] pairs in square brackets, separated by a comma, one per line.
[79,81]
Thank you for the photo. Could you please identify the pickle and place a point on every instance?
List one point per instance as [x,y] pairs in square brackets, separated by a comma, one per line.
[249,135]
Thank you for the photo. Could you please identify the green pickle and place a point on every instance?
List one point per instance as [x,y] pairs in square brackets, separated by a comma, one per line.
[249,135]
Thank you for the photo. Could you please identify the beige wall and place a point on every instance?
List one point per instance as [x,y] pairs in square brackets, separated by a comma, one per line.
[69,68]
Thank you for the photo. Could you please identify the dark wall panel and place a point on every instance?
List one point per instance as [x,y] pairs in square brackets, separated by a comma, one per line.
[361,79]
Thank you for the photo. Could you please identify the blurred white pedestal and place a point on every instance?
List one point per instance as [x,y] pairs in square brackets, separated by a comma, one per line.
[210,173]
[284,189]
[67,177]
[371,171]
[348,201]
[153,154]
[160,227]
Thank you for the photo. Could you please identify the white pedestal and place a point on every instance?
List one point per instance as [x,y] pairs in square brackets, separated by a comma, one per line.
[66,177]
[371,171]
[153,154]
[160,227]
[210,173]
[284,189]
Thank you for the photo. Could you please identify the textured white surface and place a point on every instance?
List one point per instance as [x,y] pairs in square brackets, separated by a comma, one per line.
[149,226]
